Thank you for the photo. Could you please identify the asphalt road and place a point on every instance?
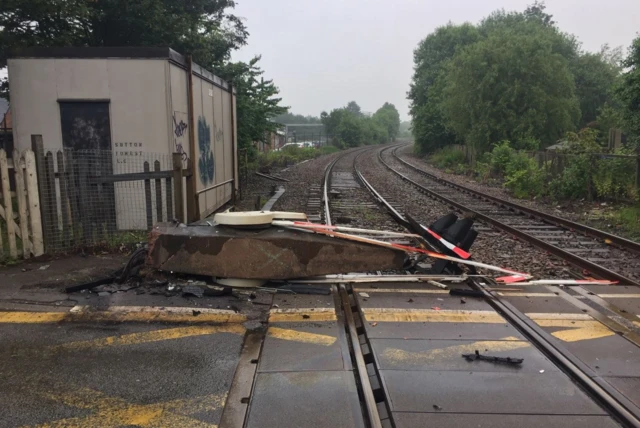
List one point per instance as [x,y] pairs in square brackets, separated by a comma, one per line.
[100,373]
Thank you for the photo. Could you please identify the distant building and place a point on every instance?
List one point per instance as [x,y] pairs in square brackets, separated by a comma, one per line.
[274,141]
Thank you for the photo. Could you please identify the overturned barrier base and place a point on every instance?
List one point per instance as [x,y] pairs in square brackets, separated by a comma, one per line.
[273,252]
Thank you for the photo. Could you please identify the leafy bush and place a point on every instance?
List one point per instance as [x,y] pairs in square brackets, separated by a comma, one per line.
[325,150]
[574,181]
[287,156]
[527,143]
[447,158]
[501,157]
[615,177]
[524,178]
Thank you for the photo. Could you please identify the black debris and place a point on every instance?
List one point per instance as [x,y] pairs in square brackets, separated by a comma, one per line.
[435,406]
[192,291]
[216,293]
[465,292]
[196,313]
[499,360]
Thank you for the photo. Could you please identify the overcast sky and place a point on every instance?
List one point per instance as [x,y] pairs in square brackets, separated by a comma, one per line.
[322,54]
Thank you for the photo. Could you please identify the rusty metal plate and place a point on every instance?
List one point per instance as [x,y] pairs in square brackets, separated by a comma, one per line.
[303,347]
[465,392]
[398,354]
[304,399]
[443,420]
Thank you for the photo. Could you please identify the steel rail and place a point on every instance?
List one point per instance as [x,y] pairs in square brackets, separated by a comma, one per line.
[361,368]
[394,213]
[327,186]
[545,217]
[575,260]
[610,398]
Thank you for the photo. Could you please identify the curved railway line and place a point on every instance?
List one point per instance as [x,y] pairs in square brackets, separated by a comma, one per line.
[345,190]
[581,246]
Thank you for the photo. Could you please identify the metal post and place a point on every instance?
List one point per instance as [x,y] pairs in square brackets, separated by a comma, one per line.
[638,173]
[38,149]
[177,186]
[193,208]
[233,149]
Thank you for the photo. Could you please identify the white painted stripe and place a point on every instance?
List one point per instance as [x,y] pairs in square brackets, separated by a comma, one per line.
[400,290]
[425,311]
[557,316]
[619,296]
[522,294]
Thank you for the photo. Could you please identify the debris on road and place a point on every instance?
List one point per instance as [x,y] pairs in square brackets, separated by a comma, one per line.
[499,360]
[465,292]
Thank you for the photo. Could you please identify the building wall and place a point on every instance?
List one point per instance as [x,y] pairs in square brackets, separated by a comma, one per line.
[213,143]
[136,90]
[148,111]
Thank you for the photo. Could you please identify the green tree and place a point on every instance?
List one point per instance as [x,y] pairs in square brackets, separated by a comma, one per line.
[510,86]
[594,79]
[206,29]
[350,128]
[354,108]
[628,93]
[203,28]
[256,102]
[429,129]
[388,117]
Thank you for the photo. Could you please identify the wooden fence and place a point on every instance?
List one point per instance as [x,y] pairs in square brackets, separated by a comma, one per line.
[557,161]
[20,219]
[91,198]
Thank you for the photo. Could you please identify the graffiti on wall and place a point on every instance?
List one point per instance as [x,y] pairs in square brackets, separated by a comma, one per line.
[218,133]
[180,132]
[206,165]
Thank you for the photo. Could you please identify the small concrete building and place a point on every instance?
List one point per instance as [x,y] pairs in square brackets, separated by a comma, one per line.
[134,102]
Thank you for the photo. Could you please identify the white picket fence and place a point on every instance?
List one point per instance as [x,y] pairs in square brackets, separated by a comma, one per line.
[26,223]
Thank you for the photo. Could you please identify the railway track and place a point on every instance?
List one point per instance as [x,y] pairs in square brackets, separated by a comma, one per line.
[374,352]
[593,251]
[376,397]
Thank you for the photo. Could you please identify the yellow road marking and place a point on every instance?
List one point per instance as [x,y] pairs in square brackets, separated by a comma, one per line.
[576,327]
[578,330]
[167,315]
[302,314]
[430,315]
[399,290]
[148,336]
[115,412]
[32,317]
[301,336]
[506,344]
